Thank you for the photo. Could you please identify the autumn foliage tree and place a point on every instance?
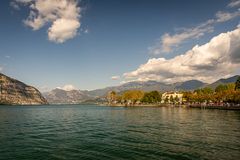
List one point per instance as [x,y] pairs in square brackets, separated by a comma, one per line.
[223,93]
[112,96]
[133,95]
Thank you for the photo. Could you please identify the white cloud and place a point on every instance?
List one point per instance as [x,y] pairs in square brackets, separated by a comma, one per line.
[67,87]
[234,3]
[226,16]
[1,68]
[14,5]
[24,1]
[115,77]
[63,29]
[62,15]
[169,42]
[217,58]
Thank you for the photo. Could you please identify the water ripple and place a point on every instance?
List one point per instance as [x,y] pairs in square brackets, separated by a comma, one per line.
[93,132]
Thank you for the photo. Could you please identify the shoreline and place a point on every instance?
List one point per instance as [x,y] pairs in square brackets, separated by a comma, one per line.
[234,107]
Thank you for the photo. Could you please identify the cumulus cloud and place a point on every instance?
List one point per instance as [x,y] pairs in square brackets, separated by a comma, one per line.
[63,29]
[62,15]
[67,87]
[169,42]
[115,77]
[218,58]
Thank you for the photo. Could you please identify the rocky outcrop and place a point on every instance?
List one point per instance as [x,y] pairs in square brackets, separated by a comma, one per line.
[14,92]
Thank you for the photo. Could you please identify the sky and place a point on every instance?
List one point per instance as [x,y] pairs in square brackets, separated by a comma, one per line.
[90,44]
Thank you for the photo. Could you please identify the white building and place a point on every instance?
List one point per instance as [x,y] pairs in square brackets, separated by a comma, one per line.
[177,97]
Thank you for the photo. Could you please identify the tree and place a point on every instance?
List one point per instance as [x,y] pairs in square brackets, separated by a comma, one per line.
[119,98]
[112,96]
[133,95]
[204,95]
[237,84]
[166,100]
[171,99]
[233,97]
[229,93]
[176,99]
[151,97]
[231,86]
[221,88]
[188,96]
[207,90]
[237,97]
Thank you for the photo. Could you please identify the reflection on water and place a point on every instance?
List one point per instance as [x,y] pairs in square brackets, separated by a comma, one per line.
[94,132]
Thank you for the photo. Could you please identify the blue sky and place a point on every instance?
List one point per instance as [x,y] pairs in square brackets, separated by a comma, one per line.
[113,38]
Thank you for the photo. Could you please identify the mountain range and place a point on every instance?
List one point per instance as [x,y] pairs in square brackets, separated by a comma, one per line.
[60,96]
[79,96]
[15,92]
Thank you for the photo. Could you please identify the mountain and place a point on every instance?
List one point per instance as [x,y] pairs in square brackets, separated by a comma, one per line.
[190,85]
[223,81]
[60,96]
[159,86]
[149,86]
[137,85]
[14,92]
[77,96]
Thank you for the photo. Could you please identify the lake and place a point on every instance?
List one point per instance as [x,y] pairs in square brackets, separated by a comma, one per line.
[73,132]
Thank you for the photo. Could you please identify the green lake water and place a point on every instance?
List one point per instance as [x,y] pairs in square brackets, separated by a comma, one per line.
[77,132]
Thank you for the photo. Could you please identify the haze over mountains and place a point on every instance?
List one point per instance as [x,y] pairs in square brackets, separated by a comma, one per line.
[78,96]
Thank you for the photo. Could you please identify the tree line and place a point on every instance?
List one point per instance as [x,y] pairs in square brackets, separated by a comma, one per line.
[222,94]
[134,97]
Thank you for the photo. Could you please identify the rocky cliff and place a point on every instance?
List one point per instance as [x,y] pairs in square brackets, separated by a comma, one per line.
[14,92]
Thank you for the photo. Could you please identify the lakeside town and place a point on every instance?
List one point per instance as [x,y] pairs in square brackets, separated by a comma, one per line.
[223,96]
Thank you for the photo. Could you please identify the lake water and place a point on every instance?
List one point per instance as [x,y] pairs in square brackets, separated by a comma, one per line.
[98,132]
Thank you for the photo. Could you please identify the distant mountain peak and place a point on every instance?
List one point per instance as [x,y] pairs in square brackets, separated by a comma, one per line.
[61,96]
[190,85]
[229,80]
[232,79]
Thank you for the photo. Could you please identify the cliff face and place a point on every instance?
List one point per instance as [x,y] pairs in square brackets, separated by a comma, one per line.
[14,92]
